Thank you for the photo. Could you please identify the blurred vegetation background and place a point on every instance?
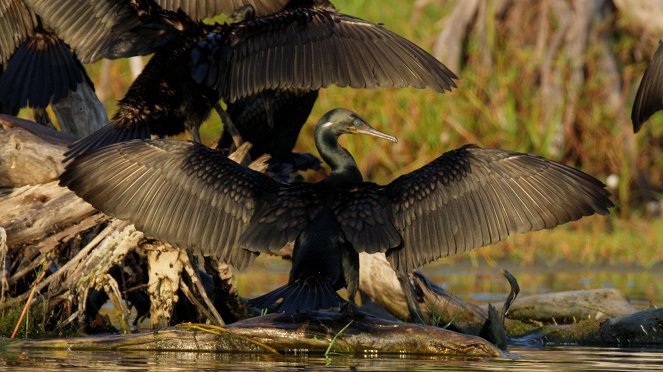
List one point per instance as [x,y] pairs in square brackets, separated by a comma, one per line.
[554,78]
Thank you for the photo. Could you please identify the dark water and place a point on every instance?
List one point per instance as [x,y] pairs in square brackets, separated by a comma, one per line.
[476,284]
[566,358]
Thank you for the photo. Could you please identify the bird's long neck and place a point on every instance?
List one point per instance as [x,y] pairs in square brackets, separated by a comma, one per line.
[343,166]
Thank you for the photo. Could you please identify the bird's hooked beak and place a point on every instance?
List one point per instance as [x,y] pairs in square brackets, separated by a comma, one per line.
[365,128]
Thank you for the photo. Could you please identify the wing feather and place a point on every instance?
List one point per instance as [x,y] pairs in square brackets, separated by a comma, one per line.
[316,47]
[480,196]
[171,189]
[649,97]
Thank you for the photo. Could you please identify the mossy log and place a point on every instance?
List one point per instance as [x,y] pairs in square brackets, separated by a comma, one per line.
[572,306]
[277,333]
[644,328]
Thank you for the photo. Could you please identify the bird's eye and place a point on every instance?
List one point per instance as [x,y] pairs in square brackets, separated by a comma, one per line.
[356,123]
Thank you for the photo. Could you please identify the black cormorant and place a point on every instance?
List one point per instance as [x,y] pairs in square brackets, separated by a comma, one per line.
[308,46]
[649,98]
[194,197]
[37,68]
[271,121]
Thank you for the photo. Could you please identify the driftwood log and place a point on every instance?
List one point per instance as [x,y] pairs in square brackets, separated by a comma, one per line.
[276,333]
[572,306]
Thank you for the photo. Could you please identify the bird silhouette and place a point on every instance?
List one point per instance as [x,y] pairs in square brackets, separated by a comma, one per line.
[649,97]
[194,197]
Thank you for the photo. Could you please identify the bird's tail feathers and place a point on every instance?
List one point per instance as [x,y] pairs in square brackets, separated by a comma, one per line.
[299,297]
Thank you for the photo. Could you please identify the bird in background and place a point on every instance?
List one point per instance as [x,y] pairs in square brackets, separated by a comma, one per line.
[38,68]
[194,197]
[306,46]
[649,97]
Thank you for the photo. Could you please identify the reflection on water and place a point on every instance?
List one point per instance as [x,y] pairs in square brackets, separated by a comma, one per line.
[476,285]
[566,358]
[486,284]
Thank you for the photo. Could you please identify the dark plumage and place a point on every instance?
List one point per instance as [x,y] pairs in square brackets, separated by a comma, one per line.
[649,98]
[306,46]
[39,69]
[192,196]
[271,121]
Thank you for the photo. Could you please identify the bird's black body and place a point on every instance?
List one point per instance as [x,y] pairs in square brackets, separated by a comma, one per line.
[302,48]
[194,197]
[271,121]
[649,97]
[163,100]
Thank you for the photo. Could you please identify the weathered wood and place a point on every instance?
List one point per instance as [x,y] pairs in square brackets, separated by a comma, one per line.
[571,306]
[378,281]
[644,328]
[29,153]
[288,334]
[80,113]
[32,213]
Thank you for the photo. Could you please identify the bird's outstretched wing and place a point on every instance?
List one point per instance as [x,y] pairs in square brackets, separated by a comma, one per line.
[17,22]
[41,71]
[97,29]
[200,9]
[191,196]
[467,198]
[312,48]
[180,192]
[649,97]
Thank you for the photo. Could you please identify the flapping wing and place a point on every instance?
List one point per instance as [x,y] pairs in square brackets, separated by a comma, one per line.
[312,48]
[180,192]
[471,197]
[42,71]
[97,29]
[16,24]
[649,98]
[200,9]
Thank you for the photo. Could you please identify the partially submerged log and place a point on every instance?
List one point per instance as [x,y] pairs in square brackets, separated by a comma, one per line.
[572,306]
[644,328]
[277,333]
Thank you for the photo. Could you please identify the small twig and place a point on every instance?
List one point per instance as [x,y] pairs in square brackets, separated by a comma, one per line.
[28,302]
[72,262]
[187,292]
[229,126]
[328,351]
[197,282]
[4,285]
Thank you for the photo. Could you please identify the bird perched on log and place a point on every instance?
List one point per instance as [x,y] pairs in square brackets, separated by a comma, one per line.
[308,45]
[192,196]
[649,97]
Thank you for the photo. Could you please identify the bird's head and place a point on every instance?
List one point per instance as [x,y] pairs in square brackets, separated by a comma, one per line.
[341,121]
